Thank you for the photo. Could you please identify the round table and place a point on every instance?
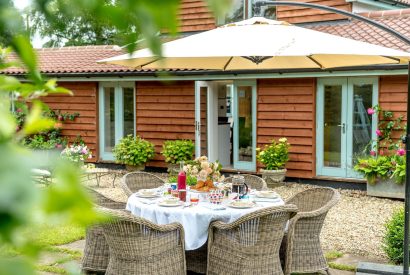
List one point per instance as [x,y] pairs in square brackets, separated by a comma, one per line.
[194,219]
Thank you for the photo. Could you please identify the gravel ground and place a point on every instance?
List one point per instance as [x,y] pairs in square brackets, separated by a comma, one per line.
[353,226]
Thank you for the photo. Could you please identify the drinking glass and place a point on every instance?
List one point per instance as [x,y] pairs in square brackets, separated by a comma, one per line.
[194,198]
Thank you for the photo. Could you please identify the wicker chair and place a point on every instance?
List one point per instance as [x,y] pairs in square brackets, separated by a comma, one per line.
[301,245]
[254,181]
[249,245]
[96,251]
[138,246]
[196,260]
[132,182]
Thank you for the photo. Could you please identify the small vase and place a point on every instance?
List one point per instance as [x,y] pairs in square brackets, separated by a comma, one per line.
[134,168]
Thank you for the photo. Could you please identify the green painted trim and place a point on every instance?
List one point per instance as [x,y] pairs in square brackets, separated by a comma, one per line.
[228,76]
[244,165]
[118,114]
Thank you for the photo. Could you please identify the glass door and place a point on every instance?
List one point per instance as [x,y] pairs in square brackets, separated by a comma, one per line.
[116,115]
[244,113]
[344,129]
[202,91]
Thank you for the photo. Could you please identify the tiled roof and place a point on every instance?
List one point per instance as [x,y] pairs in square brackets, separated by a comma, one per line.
[76,60]
[82,60]
[398,20]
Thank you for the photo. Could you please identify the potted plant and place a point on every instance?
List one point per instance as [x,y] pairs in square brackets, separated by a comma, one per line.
[384,166]
[77,154]
[134,152]
[176,151]
[274,158]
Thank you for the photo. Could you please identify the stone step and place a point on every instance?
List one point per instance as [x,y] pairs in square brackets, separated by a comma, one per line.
[383,269]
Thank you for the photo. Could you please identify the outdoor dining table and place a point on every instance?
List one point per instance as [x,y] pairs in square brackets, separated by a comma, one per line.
[194,219]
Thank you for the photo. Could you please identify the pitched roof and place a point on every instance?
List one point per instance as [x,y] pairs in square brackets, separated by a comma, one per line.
[399,20]
[82,59]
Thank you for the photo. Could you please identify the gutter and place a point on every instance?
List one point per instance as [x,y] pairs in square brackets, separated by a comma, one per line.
[210,73]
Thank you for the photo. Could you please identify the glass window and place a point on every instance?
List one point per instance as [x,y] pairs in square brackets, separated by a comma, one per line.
[243,9]
[129,124]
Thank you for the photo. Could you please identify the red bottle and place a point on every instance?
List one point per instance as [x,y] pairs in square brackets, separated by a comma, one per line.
[181,178]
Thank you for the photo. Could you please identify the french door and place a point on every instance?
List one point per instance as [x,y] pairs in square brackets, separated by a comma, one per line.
[244,113]
[344,129]
[116,115]
[243,106]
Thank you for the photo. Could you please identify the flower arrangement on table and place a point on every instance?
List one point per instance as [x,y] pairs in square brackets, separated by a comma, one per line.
[76,153]
[384,158]
[205,172]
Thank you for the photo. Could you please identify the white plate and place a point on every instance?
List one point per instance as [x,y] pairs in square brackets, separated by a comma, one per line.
[165,204]
[268,195]
[141,195]
[241,205]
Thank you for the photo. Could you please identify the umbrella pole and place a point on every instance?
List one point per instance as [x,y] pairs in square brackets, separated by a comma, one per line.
[407,200]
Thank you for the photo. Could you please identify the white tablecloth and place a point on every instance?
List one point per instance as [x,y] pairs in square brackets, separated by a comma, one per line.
[194,219]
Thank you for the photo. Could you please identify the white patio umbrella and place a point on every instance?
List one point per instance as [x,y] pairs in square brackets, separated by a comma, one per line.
[259,43]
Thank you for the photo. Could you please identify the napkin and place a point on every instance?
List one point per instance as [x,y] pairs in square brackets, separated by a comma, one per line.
[214,206]
[147,201]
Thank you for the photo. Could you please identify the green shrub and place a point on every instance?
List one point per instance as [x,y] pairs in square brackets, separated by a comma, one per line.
[176,151]
[133,151]
[393,238]
[374,167]
[275,155]
[190,180]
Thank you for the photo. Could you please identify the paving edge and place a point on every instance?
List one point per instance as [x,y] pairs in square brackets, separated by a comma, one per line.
[373,268]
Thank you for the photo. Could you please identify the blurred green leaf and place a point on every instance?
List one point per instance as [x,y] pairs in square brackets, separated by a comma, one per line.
[35,121]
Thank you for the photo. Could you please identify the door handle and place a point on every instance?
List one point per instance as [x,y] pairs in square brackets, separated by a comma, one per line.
[343,125]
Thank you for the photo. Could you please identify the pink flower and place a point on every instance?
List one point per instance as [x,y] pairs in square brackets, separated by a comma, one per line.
[401,152]
[381,152]
[372,153]
[19,110]
[378,132]
[84,151]
[371,111]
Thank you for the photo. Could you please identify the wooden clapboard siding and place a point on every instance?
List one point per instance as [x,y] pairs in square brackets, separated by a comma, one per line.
[195,16]
[393,96]
[83,101]
[293,14]
[286,108]
[165,112]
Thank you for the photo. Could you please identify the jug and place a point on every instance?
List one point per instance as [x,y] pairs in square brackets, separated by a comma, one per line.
[239,186]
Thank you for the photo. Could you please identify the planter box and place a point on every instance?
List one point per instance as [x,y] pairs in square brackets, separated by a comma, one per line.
[386,188]
[273,176]
[133,168]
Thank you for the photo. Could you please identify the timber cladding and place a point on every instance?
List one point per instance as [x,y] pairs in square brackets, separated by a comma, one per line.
[393,96]
[296,14]
[165,111]
[286,108]
[194,15]
[83,101]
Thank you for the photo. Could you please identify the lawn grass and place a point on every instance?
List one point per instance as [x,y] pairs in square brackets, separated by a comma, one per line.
[342,266]
[333,255]
[47,235]
[51,269]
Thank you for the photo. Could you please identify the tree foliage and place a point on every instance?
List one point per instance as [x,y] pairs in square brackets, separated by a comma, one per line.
[78,29]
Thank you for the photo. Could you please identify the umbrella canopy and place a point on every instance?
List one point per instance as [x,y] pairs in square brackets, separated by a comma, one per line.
[260,43]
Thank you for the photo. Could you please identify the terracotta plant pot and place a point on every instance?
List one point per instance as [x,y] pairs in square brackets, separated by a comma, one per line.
[173,168]
[134,168]
[273,176]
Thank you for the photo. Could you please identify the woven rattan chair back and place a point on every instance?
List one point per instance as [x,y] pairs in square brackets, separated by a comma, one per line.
[132,182]
[138,246]
[301,246]
[255,182]
[249,245]
[96,250]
